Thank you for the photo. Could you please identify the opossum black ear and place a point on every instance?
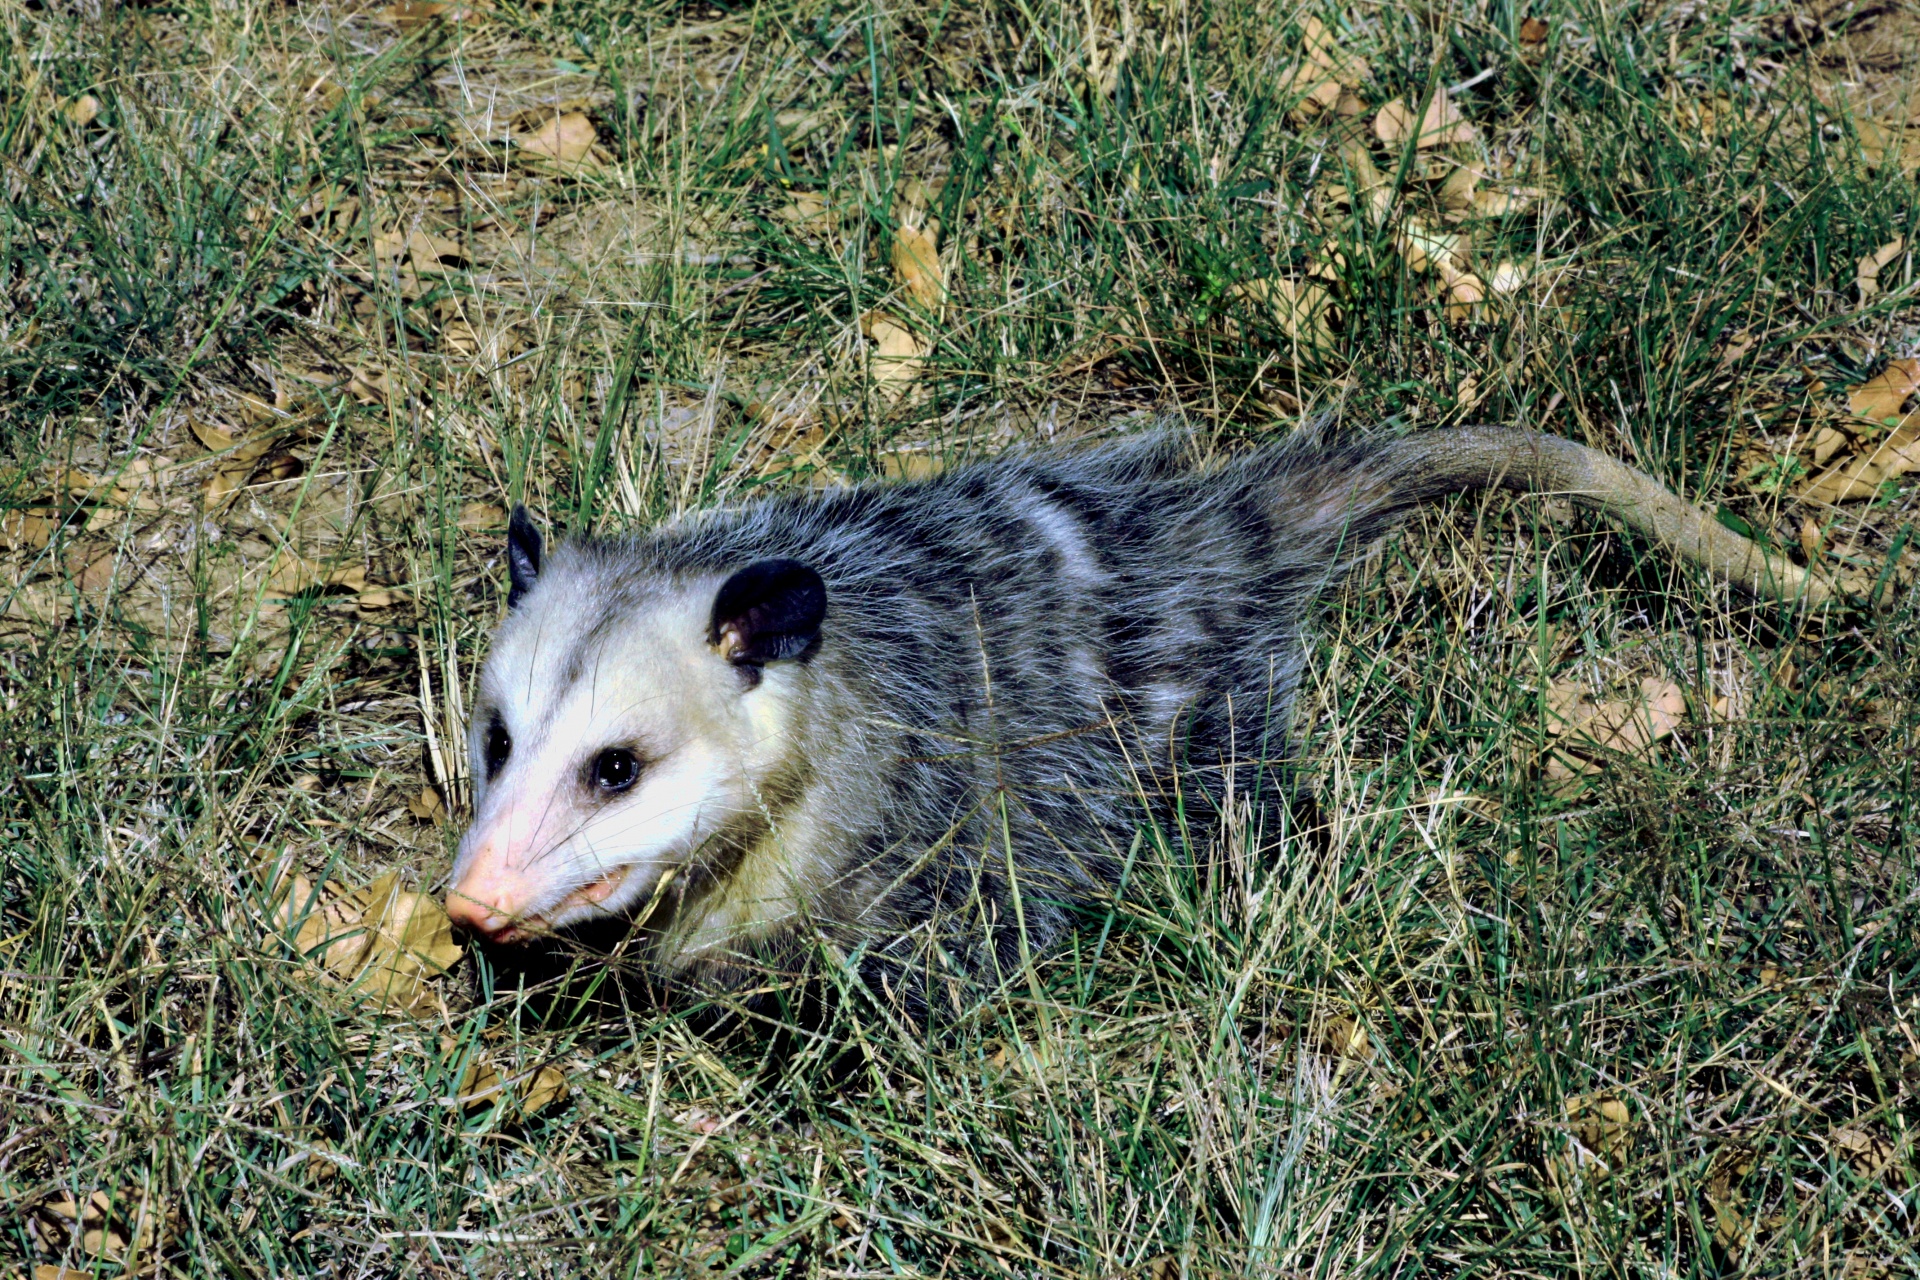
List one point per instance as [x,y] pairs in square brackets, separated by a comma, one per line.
[769,610]
[523,555]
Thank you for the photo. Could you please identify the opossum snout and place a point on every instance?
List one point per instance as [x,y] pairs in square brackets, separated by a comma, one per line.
[492,900]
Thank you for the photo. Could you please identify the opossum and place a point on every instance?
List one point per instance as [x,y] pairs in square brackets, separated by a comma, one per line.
[916,726]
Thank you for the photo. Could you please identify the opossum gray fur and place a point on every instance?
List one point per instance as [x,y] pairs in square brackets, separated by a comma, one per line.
[922,722]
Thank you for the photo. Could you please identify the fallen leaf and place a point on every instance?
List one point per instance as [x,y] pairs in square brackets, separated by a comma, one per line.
[1533,32]
[1327,74]
[91,570]
[410,14]
[27,530]
[1590,731]
[1457,190]
[291,574]
[380,939]
[1861,477]
[916,263]
[1866,1151]
[565,141]
[481,515]
[896,352]
[808,209]
[480,1085]
[82,111]
[1825,443]
[1880,397]
[429,807]
[1812,540]
[1867,276]
[1887,146]
[1508,278]
[216,439]
[542,1089]
[1465,294]
[1601,1126]
[1440,125]
[1436,251]
[910,466]
[1301,307]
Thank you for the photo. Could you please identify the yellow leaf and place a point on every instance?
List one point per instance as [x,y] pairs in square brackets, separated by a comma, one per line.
[1508,278]
[545,1087]
[1860,477]
[1602,1126]
[897,353]
[481,1083]
[1867,276]
[565,141]
[1300,306]
[1887,146]
[429,807]
[481,515]
[1626,726]
[1465,294]
[82,111]
[916,262]
[1435,251]
[1440,125]
[217,439]
[27,530]
[1881,396]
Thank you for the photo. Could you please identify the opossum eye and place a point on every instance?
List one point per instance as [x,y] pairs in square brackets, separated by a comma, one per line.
[615,769]
[499,746]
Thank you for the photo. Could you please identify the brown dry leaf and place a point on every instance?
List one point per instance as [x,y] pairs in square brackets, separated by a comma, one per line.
[1861,477]
[216,439]
[565,142]
[319,1167]
[1440,252]
[481,1085]
[1465,295]
[542,1089]
[426,252]
[1825,443]
[809,209]
[1880,397]
[91,570]
[1867,276]
[1602,1126]
[27,530]
[429,807]
[897,353]
[290,574]
[1628,726]
[1866,1151]
[1887,146]
[916,263]
[411,14]
[1498,202]
[1328,75]
[1301,307]
[82,111]
[910,466]
[380,939]
[1533,32]
[1457,190]
[481,515]
[116,1228]
[1441,125]
[1345,1036]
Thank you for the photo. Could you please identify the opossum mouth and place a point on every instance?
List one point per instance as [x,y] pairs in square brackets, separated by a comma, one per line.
[589,895]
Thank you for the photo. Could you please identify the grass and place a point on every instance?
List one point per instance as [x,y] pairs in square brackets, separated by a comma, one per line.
[1659,1019]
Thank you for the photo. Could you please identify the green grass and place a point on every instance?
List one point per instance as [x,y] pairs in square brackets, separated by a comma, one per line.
[1377,1049]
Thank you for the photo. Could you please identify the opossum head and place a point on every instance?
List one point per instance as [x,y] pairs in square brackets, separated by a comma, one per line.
[627,728]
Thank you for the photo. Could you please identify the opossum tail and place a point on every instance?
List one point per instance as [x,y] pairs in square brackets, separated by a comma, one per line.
[1434,463]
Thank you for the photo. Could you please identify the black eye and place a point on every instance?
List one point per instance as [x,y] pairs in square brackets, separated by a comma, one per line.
[615,769]
[498,747]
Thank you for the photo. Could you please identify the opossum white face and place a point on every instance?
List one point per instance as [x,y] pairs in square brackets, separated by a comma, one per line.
[621,733]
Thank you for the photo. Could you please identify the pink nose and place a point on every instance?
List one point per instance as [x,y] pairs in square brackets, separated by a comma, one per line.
[489,899]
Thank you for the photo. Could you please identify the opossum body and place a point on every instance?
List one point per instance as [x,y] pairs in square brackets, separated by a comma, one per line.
[922,722]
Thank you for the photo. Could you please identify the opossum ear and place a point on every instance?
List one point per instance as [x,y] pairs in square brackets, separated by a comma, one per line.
[769,610]
[523,555]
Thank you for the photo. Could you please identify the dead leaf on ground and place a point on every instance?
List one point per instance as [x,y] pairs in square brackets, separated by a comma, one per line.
[1601,1126]
[291,574]
[1328,75]
[429,807]
[1466,293]
[411,14]
[1885,146]
[1866,277]
[1861,477]
[380,939]
[808,210]
[1866,1151]
[1880,397]
[27,530]
[1443,253]
[1590,731]
[1440,125]
[82,111]
[119,1228]
[481,515]
[916,264]
[1301,307]
[910,466]
[1508,279]
[1533,32]
[542,1089]
[565,142]
[896,351]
